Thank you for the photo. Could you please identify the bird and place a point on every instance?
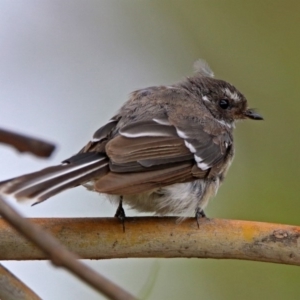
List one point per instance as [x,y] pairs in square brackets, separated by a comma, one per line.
[166,151]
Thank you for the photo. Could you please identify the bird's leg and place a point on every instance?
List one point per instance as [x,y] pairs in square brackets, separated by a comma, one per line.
[199,214]
[120,213]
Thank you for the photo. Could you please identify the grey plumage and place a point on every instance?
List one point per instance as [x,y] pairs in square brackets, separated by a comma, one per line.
[166,150]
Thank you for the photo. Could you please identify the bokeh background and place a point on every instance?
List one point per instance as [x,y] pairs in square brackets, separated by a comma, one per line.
[65,68]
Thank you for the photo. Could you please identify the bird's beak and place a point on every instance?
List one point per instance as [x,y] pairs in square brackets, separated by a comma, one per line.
[251,114]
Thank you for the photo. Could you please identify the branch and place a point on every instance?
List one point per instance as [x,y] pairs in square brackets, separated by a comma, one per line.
[26,144]
[12,288]
[57,253]
[102,238]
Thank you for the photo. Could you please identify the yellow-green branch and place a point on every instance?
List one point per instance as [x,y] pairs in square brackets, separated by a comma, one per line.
[102,238]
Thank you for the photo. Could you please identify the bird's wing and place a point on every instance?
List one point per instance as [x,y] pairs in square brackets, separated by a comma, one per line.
[156,153]
[159,141]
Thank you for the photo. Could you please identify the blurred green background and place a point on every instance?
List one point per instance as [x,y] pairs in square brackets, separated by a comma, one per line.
[68,65]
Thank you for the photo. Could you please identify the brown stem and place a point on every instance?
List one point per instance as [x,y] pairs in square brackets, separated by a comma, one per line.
[26,144]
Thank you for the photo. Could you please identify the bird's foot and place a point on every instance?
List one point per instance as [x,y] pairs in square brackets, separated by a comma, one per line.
[120,213]
[198,215]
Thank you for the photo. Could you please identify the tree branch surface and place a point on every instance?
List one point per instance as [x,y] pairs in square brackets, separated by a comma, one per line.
[103,238]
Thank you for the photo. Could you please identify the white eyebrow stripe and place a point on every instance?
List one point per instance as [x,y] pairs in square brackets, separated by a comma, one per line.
[205,98]
[232,95]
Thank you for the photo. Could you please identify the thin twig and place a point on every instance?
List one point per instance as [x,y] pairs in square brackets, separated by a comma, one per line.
[162,237]
[26,144]
[59,255]
[11,288]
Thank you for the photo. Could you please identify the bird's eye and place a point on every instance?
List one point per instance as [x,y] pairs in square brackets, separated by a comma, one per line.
[224,103]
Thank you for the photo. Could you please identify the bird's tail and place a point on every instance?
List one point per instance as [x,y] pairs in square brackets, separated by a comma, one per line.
[48,182]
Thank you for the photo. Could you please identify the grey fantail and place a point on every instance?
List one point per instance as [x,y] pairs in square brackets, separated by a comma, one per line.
[166,151]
